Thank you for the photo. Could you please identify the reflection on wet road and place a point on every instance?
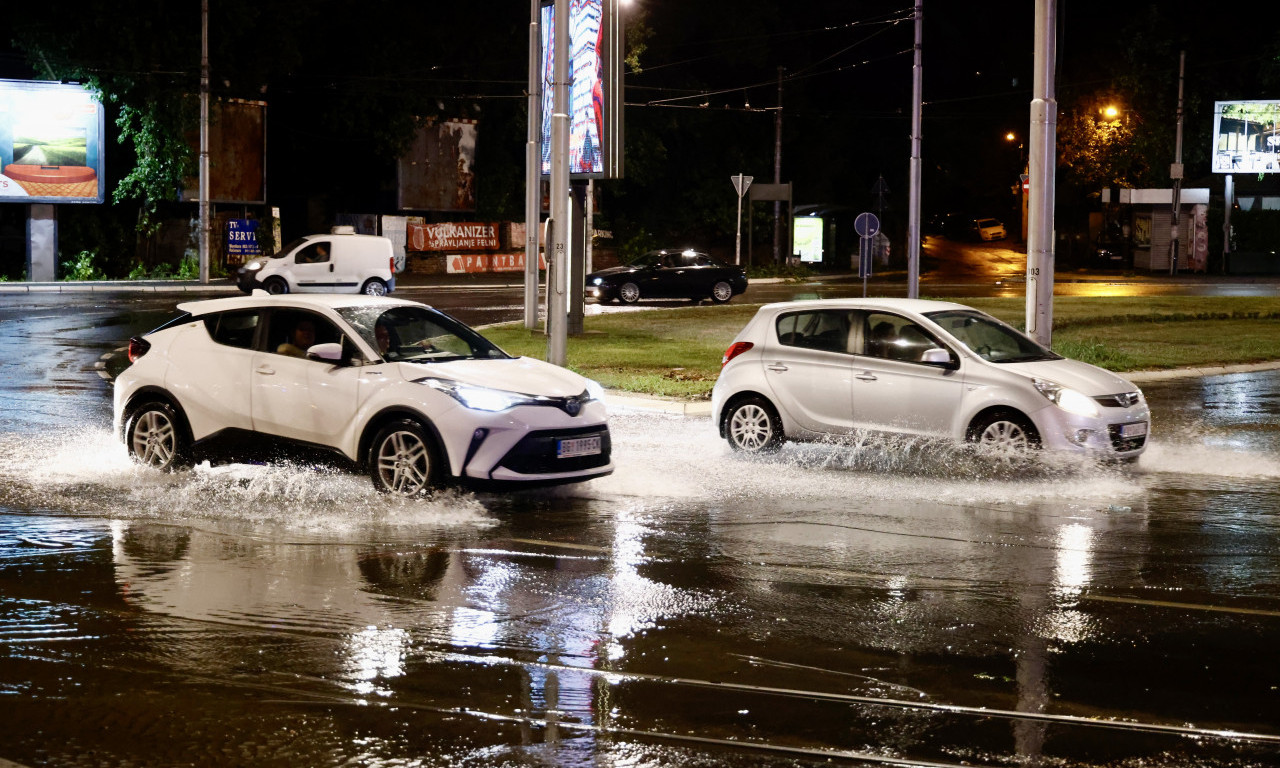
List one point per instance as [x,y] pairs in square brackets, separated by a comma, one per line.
[898,603]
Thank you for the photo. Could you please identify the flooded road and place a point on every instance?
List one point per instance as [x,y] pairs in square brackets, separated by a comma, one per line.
[900,603]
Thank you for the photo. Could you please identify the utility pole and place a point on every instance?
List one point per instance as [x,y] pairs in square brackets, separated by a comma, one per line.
[204,142]
[1175,172]
[533,172]
[777,173]
[557,239]
[913,202]
[1043,151]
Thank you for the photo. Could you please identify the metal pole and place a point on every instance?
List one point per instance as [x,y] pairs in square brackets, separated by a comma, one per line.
[1229,202]
[533,171]
[204,142]
[1041,166]
[777,174]
[557,246]
[1176,172]
[913,202]
[737,236]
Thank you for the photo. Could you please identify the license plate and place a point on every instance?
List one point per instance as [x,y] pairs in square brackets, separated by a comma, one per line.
[577,446]
[1133,430]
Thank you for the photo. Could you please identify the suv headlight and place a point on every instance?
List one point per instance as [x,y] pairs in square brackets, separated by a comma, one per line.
[1066,398]
[479,398]
[594,390]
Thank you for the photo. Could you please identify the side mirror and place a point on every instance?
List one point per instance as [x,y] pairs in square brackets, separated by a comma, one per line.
[940,357]
[331,352]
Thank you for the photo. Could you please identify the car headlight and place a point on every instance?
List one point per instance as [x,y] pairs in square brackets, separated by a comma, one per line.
[594,390]
[1066,398]
[253,266]
[597,281]
[479,398]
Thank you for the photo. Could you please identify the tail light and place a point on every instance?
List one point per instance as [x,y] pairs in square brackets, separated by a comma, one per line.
[391,264]
[138,347]
[736,349]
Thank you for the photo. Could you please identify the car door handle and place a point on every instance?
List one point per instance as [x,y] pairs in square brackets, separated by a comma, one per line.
[866,376]
[778,367]
[266,370]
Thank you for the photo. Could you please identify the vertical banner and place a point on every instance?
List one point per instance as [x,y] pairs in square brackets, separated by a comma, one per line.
[595,91]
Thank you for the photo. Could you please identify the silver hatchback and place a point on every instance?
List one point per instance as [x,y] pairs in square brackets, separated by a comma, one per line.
[807,370]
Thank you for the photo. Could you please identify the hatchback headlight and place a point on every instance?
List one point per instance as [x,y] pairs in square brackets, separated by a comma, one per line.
[479,398]
[1066,398]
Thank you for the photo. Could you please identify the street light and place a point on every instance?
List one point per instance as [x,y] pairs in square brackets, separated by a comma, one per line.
[1111,112]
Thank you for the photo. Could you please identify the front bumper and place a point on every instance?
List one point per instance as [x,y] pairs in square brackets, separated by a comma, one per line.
[1120,433]
[247,280]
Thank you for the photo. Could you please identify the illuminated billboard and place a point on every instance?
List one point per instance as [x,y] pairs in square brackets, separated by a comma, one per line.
[595,88]
[1246,137]
[50,143]
[807,237]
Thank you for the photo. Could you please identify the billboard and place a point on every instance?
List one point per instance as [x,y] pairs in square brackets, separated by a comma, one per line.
[237,153]
[50,143]
[807,237]
[1246,137]
[438,171]
[595,88]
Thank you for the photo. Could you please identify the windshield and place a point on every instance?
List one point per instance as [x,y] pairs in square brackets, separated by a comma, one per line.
[989,338]
[418,335]
[648,259]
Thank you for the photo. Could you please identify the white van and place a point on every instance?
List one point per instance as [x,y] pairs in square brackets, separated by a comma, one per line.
[339,262]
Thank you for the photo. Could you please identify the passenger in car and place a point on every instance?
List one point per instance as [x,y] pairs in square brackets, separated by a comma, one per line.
[302,338]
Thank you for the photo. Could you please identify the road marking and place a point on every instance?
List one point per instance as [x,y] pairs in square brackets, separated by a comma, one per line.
[1184,606]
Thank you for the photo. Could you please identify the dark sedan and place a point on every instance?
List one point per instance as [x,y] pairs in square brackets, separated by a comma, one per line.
[667,274]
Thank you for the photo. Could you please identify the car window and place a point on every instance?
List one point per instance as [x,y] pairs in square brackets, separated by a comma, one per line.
[234,329]
[893,337]
[315,253]
[989,338]
[824,329]
[292,332]
[418,334]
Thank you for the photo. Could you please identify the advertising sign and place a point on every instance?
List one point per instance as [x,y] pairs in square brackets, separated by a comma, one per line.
[453,236]
[438,171]
[50,143]
[237,153]
[595,88]
[490,262]
[1246,137]
[807,236]
[242,241]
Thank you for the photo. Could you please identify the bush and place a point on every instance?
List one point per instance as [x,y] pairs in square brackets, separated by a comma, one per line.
[83,267]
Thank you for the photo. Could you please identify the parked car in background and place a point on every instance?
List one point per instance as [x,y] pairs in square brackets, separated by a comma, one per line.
[666,274]
[987,229]
[340,262]
[396,387]
[809,370]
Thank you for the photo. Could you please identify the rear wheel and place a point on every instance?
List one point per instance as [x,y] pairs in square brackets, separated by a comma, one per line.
[374,287]
[276,286]
[721,292]
[753,426]
[1005,432]
[403,459]
[628,293]
[156,437]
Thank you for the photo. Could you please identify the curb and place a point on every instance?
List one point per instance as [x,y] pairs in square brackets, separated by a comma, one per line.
[625,401]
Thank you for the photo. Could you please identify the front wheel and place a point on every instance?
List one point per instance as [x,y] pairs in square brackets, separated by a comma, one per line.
[276,286]
[1005,432]
[721,292]
[628,293]
[402,459]
[157,438]
[753,426]
[374,287]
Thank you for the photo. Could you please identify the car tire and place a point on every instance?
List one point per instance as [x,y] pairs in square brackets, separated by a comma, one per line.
[156,436]
[752,425]
[403,460]
[374,287]
[1004,431]
[721,292]
[275,286]
[628,293]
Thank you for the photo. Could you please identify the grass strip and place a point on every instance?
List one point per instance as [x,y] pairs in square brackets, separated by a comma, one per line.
[677,352]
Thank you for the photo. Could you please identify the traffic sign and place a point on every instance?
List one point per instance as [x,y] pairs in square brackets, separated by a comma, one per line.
[741,183]
[866,225]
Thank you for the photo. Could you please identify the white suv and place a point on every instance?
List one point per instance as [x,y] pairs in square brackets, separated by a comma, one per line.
[813,369]
[395,386]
